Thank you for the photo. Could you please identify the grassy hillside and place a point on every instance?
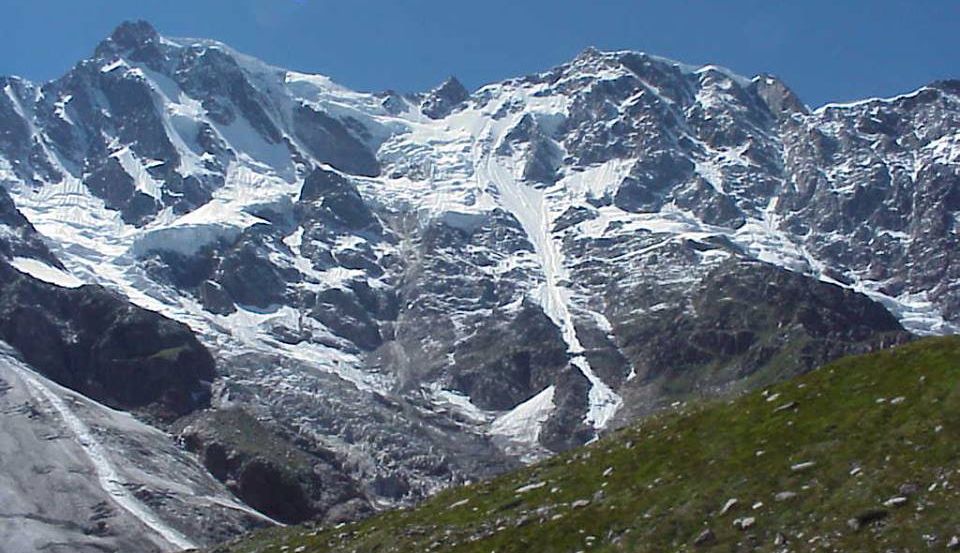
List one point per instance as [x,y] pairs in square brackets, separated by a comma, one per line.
[861,455]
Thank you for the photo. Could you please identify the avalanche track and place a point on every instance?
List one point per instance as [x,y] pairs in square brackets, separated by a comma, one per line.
[529,205]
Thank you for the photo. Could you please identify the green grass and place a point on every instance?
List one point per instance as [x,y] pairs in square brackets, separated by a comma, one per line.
[657,485]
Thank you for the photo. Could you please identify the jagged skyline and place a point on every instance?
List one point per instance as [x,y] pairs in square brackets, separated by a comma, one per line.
[828,53]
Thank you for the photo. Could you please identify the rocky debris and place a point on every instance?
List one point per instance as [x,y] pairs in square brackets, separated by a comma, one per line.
[744,523]
[530,487]
[908,489]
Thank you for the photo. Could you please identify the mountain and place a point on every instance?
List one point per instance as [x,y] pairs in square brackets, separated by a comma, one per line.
[857,456]
[404,292]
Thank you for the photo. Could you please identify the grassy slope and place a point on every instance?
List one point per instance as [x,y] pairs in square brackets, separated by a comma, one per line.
[656,486]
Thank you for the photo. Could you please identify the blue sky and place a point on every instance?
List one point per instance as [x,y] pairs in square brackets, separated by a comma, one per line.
[826,50]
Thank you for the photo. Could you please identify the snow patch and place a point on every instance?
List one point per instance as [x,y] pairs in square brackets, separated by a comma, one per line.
[523,423]
[47,273]
[143,180]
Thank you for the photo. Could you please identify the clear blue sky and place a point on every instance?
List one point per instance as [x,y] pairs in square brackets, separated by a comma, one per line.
[826,50]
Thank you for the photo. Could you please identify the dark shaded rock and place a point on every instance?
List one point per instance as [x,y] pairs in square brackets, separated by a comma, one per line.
[215,299]
[330,141]
[268,472]
[573,216]
[335,200]
[17,143]
[742,319]
[18,238]
[342,312]
[781,101]
[214,77]
[651,181]
[129,35]
[542,157]
[391,485]
[500,367]
[249,277]
[441,101]
[97,343]
[867,518]
[565,429]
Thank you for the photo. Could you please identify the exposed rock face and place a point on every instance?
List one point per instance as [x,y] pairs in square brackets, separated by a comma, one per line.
[437,286]
[439,102]
[748,324]
[97,343]
[877,185]
[18,238]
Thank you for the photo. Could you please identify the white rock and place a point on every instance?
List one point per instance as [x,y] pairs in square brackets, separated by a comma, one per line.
[898,501]
[730,504]
[530,487]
